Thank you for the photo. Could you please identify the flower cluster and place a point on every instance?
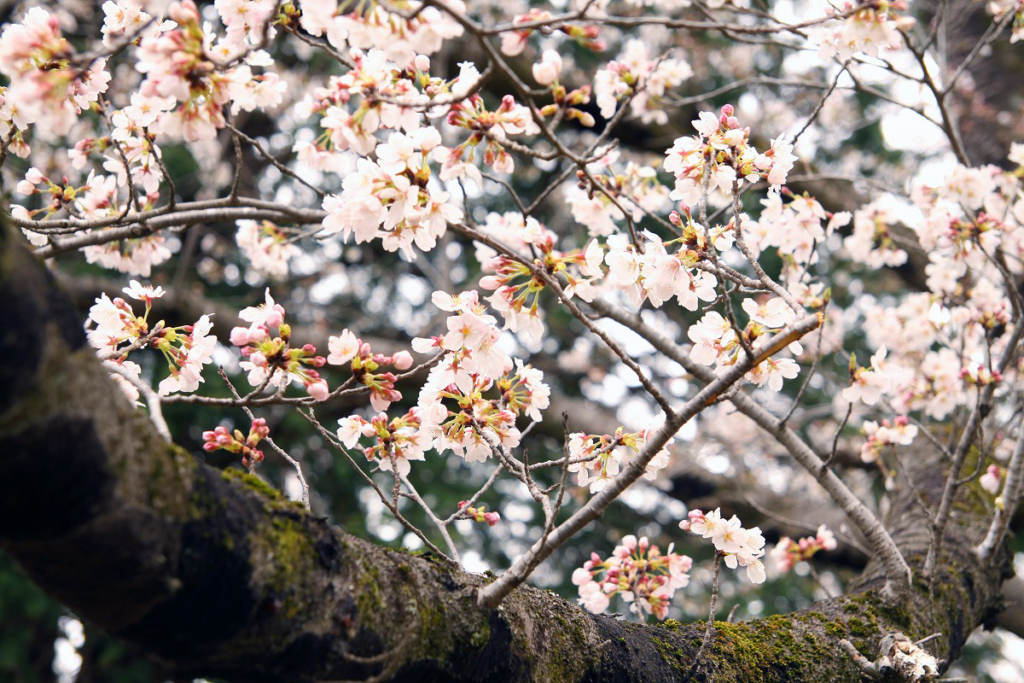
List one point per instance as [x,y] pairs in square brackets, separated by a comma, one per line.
[517,287]
[396,442]
[637,572]
[49,84]
[868,30]
[12,125]
[657,273]
[479,513]
[788,552]
[719,155]
[98,193]
[980,375]
[245,21]
[267,247]
[236,442]
[131,137]
[97,198]
[374,95]
[115,330]
[972,214]
[473,364]
[936,388]
[178,60]
[898,431]
[636,75]
[716,342]
[402,34]
[868,384]
[122,18]
[872,242]
[364,363]
[598,459]
[794,228]
[271,361]
[389,198]
[494,128]
[741,547]
[636,188]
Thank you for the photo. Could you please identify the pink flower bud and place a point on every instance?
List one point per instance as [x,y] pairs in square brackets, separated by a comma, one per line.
[422,62]
[402,360]
[258,359]
[991,479]
[905,23]
[240,336]
[490,282]
[318,390]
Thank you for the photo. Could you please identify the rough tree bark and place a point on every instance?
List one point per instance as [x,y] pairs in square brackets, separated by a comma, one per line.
[213,573]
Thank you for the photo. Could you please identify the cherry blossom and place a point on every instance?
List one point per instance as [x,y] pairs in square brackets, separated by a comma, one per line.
[787,552]
[898,431]
[638,572]
[991,479]
[741,547]
[396,442]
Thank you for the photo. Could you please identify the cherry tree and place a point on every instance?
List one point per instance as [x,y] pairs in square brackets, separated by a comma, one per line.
[552,256]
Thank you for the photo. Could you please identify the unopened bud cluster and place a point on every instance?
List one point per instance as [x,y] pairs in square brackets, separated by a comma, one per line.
[236,442]
[479,514]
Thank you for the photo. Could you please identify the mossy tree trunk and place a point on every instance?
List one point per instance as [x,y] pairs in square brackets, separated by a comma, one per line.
[215,574]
